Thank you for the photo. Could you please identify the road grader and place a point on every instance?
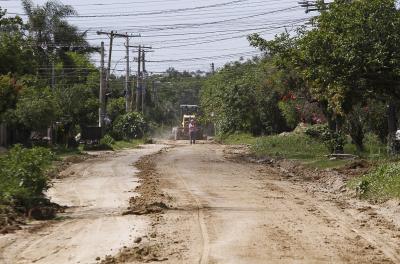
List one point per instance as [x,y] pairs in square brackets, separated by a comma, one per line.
[188,112]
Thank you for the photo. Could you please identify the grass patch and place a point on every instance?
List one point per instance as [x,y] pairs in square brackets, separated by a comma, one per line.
[63,152]
[380,184]
[308,151]
[118,145]
[291,146]
[299,147]
[237,139]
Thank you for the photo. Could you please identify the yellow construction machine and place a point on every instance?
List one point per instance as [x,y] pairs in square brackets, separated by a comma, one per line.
[188,112]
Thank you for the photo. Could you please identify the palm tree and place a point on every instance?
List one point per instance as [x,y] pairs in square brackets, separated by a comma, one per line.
[53,36]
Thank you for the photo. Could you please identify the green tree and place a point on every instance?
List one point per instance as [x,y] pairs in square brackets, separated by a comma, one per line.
[129,126]
[52,35]
[16,54]
[9,90]
[36,108]
[116,107]
[244,97]
[349,56]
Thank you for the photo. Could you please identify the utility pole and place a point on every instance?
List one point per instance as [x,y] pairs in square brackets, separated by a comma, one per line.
[128,95]
[212,68]
[112,35]
[138,87]
[102,89]
[143,81]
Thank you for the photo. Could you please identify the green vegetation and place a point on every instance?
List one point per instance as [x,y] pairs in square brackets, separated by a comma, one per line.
[345,64]
[305,149]
[341,75]
[237,139]
[129,126]
[380,184]
[109,143]
[134,143]
[23,175]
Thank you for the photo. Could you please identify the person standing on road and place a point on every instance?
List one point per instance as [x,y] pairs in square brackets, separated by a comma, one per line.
[192,132]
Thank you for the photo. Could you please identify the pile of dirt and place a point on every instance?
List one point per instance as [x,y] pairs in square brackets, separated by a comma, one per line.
[151,200]
[356,168]
[10,221]
[324,180]
[143,253]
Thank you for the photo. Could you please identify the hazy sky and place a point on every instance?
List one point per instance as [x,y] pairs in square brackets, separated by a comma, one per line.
[186,35]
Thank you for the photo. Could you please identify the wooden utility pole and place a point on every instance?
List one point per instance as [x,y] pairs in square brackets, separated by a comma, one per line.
[138,85]
[128,95]
[144,81]
[102,107]
[141,72]
[112,35]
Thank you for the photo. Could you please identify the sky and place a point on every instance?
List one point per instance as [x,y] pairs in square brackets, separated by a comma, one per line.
[184,34]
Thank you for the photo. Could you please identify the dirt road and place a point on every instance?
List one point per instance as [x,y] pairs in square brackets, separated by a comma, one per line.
[215,210]
[226,211]
[97,191]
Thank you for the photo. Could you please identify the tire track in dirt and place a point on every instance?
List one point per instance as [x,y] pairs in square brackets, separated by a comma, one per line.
[345,221]
[284,224]
[202,224]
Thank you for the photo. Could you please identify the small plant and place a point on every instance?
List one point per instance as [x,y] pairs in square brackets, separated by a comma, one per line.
[23,175]
[107,140]
[380,184]
[333,140]
[362,187]
[316,131]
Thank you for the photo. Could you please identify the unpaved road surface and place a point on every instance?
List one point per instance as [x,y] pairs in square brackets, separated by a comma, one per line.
[213,209]
[228,211]
[96,191]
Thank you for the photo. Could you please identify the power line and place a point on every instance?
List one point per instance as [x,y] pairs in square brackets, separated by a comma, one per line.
[154,12]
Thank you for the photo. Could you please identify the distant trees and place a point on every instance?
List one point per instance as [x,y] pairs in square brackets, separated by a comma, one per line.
[236,98]
[167,92]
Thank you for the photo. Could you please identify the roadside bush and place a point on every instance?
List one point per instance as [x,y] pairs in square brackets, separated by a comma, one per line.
[23,175]
[107,140]
[289,111]
[289,146]
[382,183]
[331,139]
[129,126]
[316,131]
[106,143]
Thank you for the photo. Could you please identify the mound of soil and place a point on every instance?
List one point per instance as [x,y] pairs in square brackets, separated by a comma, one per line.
[10,221]
[151,200]
[145,253]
